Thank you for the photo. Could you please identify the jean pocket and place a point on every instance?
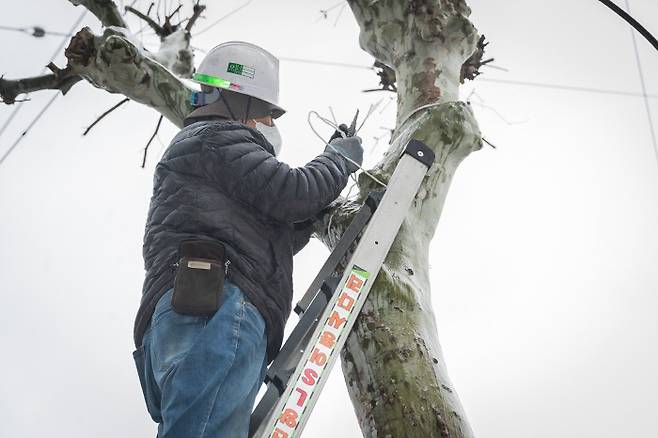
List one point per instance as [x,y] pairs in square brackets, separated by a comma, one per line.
[146,385]
[253,314]
[162,307]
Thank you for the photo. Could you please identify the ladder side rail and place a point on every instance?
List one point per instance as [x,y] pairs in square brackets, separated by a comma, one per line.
[279,373]
[293,409]
[349,235]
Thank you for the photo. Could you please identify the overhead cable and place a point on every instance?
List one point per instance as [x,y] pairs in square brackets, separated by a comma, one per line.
[32,123]
[566,87]
[223,17]
[644,89]
[52,58]
[35,31]
[17,109]
[623,14]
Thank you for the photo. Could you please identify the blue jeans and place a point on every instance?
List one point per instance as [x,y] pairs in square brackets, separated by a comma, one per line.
[200,375]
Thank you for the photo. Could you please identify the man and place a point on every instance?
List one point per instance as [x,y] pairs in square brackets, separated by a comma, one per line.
[224,222]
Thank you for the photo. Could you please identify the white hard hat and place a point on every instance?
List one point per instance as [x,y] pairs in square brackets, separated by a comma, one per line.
[243,68]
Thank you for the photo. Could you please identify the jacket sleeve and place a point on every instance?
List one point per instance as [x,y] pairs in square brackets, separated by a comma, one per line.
[301,235]
[250,174]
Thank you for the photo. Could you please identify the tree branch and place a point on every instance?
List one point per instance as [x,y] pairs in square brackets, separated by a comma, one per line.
[196,13]
[471,68]
[105,114]
[115,63]
[105,10]
[10,89]
[146,149]
[151,22]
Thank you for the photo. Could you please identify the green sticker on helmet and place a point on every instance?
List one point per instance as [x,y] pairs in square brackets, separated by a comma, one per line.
[242,70]
[212,80]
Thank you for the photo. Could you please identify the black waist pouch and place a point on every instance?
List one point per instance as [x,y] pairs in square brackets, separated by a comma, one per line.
[199,284]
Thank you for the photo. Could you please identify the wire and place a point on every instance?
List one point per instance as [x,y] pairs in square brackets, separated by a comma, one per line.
[566,87]
[644,88]
[17,109]
[340,12]
[223,17]
[34,121]
[315,61]
[330,8]
[52,57]
[35,31]
[481,78]
[330,123]
[619,11]
[371,110]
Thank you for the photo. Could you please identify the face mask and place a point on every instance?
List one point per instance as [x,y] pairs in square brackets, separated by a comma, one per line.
[271,133]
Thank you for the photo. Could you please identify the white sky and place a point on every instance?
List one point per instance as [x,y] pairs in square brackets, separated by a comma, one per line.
[543,266]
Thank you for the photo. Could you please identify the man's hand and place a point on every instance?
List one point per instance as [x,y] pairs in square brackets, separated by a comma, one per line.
[350,148]
[341,132]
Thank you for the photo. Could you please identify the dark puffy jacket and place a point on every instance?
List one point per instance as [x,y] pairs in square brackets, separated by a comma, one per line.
[220,180]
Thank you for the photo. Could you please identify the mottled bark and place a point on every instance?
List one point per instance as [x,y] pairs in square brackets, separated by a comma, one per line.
[393,364]
[105,10]
[10,89]
[116,62]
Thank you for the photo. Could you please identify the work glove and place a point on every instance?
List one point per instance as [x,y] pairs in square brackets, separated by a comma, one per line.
[342,131]
[350,148]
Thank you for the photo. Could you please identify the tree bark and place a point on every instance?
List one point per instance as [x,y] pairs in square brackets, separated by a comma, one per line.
[393,364]
[116,62]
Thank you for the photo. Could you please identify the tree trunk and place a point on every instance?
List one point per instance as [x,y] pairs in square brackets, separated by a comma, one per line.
[393,364]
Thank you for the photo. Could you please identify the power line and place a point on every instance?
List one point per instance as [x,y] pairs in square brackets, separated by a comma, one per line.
[52,58]
[18,108]
[32,123]
[567,87]
[480,78]
[626,16]
[644,87]
[35,31]
[315,61]
[222,18]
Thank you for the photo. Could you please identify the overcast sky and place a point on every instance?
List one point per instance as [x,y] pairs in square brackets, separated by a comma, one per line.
[544,265]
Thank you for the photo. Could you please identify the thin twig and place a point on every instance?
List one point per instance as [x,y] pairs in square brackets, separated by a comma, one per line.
[175,12]
[324,13]
[146,149]
[155,26]
[102,116]
[487,142]
[340,12]
[197,10]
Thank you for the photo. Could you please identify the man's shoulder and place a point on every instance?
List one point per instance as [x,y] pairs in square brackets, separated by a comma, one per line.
[204,137]
[219,132]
